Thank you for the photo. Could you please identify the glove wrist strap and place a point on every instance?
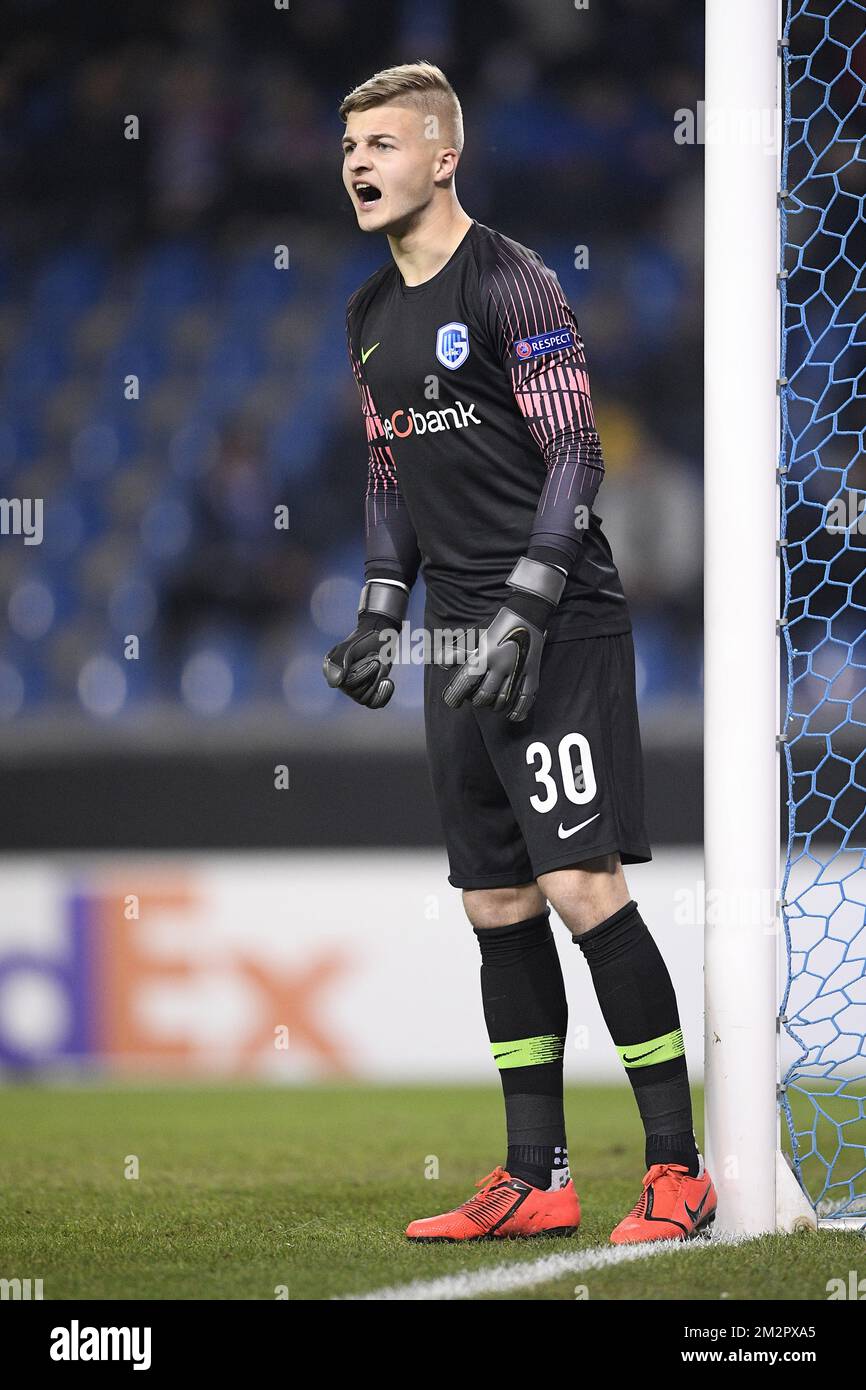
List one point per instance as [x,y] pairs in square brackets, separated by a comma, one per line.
[386,596]
[534,577]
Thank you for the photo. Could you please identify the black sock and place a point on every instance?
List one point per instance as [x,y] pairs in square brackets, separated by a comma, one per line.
[639,1006]
[526,1014]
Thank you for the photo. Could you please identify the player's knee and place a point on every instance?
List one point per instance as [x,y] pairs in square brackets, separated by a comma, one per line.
[585,895]
[498,907]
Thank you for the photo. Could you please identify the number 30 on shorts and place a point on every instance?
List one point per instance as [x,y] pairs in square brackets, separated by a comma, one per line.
[541,752]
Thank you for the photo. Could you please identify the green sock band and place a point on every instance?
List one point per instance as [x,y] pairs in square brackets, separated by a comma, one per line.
[663,1049]
[528,1052]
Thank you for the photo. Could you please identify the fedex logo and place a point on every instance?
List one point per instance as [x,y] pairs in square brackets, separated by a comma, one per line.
[162,979]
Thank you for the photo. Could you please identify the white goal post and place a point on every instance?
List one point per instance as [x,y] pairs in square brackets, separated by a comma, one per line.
[757,1191]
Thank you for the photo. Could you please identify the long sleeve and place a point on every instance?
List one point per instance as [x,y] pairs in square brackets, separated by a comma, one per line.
[525,308]
[390,541]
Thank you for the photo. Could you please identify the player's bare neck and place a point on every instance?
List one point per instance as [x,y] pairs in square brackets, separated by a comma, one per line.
[422,252]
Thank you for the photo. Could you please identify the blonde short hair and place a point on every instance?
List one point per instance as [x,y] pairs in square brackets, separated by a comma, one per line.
[421,86]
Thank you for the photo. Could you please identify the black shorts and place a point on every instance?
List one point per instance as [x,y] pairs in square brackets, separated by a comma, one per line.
[565,785]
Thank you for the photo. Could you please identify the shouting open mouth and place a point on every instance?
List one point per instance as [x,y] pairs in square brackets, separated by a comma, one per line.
[366,193]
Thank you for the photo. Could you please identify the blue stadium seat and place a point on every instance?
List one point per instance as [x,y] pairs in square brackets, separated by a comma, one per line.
[35,366]
[67,285]
[20,441]
[142,353]
[654,280]
[174,275]
[254,287]
[293,444]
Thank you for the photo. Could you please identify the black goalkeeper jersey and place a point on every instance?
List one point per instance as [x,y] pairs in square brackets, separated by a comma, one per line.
[481,436]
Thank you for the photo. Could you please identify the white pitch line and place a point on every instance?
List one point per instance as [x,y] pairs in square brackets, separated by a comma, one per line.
[504,1278]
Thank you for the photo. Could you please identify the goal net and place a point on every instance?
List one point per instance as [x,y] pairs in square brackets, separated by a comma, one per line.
[822,485]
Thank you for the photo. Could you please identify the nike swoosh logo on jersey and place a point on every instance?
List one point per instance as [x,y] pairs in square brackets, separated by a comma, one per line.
[695,1214]
[564,834]
[365,352]
[497,1055]
[641,1055]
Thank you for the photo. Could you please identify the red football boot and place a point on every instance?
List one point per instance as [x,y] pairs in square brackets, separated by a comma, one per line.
[672,1206]
[504,1207]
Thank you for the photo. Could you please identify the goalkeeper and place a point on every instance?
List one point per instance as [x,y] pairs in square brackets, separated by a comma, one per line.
[484,464]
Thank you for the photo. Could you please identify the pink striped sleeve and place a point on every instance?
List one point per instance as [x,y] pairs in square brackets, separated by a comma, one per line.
[523,301]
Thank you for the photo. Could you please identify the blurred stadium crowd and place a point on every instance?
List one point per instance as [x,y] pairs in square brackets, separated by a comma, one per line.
[153,258]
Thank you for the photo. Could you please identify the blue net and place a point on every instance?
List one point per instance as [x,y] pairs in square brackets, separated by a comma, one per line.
[823,548]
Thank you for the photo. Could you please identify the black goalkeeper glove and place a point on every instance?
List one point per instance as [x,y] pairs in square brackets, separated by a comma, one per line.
[359,666]
[503,671]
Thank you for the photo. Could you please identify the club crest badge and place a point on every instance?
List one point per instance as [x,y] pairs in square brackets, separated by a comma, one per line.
[452,345]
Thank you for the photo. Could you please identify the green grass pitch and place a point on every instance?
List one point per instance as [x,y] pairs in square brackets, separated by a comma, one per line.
[241,1191]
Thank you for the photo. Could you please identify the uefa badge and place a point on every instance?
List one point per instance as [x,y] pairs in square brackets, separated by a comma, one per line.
[452,345]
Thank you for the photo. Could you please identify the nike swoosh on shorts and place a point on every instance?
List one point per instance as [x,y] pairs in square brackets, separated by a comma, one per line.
[564,834]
